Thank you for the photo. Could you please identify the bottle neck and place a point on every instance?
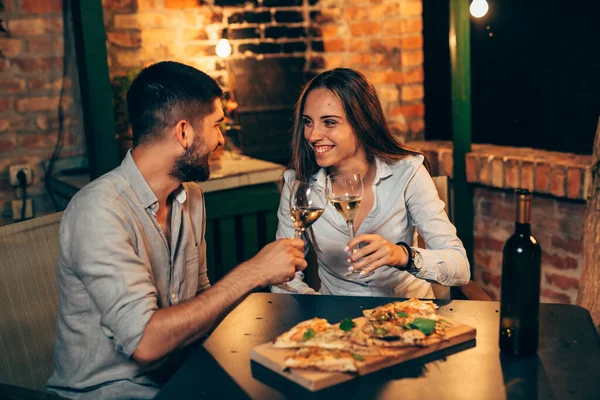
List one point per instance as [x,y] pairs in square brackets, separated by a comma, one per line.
[523,217]
[522,229]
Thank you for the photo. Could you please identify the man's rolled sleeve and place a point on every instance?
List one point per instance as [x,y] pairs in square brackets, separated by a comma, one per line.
[103,256]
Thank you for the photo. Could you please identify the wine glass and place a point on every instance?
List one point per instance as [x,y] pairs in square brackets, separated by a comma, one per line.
[345,191]
[307,203]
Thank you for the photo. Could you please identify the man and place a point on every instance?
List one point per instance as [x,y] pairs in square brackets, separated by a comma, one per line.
[132,265]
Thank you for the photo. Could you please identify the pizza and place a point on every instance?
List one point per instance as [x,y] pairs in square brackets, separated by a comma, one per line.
[412,308]
[400,324]
[302,333]
[323,360]
[387,334]
[382,332]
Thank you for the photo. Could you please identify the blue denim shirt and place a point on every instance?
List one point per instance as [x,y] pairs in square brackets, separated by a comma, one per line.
[405,199]
[115,270]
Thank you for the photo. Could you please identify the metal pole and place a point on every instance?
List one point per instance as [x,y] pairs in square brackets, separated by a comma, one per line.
[94,82]
[460,64]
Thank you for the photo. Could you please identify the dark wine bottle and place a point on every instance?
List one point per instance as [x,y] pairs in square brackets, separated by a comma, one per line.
[520,291]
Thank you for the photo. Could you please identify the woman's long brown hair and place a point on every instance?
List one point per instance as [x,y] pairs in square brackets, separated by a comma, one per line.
[364,113]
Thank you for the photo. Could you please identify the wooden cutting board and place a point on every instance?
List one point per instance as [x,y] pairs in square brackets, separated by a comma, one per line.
[273,358]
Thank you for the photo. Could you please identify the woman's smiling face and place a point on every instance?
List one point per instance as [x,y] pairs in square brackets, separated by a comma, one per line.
[328,131]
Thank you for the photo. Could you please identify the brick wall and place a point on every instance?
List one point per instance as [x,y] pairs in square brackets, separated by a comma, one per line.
[384,40]
[559,181]
[381,38]
[556,223]
[31,77]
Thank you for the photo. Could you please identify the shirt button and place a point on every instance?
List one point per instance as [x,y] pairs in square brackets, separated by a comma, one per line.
[173,296]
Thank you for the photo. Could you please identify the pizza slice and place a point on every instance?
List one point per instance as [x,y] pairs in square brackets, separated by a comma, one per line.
[316,332]
[403,311]
[300,333]
[390,335]
[400,324]
[323,360]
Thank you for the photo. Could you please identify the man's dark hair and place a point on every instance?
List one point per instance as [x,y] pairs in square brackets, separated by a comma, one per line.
[165,93]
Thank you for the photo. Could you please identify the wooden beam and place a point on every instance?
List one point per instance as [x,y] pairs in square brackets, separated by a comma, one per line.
[94,83]
[589,282]
[460,62]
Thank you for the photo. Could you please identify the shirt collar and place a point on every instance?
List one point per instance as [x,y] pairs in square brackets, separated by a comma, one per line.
[320,178]
[383,171]
[142,189]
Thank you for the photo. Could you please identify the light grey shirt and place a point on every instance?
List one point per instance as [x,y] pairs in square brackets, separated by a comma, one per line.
[115,270]
[405,199]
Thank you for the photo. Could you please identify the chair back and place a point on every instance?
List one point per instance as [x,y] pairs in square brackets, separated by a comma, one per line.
[238,224]
[441,184]
[28,300]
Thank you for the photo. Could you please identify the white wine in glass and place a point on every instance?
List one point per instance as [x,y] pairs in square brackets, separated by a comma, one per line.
[303,217]
[345,191]
[307,203]
[347,206]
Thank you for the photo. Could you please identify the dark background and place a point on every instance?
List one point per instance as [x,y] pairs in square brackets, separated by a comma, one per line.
[535,68]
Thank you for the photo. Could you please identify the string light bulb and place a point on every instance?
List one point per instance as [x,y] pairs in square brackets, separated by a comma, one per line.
[223,48]
[479,8]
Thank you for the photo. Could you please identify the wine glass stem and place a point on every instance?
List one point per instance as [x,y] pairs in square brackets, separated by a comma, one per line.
[298,234]
[351,228]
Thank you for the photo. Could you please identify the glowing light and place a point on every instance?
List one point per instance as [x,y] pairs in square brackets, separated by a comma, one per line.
[223,48]
[479,8]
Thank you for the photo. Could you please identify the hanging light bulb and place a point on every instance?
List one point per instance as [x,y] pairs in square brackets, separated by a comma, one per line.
[479,8]
[223,48]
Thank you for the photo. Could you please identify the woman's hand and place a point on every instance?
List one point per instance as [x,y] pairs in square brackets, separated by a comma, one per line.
[374,253]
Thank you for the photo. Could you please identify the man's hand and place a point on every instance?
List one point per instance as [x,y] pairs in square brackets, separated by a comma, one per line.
[375,253]
[277,262]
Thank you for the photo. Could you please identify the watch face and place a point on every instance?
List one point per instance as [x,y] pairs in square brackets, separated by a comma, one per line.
[418,260]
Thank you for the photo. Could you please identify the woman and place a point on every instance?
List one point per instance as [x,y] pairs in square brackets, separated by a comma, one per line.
[340,127]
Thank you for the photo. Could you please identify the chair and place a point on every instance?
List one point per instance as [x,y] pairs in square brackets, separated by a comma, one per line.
[29,301]
[239,222]
[471,290]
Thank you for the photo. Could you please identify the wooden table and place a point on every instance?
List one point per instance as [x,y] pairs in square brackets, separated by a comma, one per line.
[567,365]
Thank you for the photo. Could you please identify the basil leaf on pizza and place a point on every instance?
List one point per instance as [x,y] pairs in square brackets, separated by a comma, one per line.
[308,334]
[427,326]
[347,324]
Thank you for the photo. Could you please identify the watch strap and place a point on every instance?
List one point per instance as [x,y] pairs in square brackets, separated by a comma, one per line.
[409,250]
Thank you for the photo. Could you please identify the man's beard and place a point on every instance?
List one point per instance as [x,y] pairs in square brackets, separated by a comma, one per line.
[189,167]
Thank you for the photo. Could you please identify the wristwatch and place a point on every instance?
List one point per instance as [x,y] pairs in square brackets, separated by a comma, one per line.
[415,259]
